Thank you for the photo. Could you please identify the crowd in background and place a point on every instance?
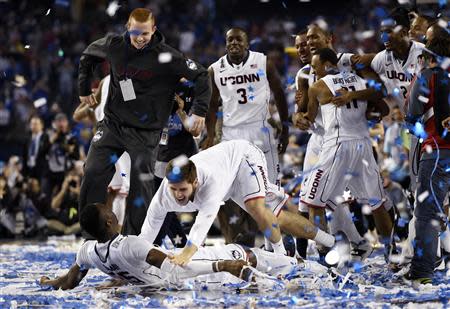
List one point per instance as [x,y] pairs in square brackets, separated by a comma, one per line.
[42,148]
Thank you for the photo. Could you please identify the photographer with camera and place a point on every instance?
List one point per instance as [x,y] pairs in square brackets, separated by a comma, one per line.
[64,150]
[65,206]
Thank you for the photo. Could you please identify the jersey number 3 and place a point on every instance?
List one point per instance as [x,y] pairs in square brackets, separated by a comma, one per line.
[243,94]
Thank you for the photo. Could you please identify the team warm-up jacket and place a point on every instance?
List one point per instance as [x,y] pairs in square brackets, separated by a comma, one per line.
[155,72]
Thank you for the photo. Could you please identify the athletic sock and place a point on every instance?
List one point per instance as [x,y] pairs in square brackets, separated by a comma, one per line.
[273,263]
[324,239]
[278,247]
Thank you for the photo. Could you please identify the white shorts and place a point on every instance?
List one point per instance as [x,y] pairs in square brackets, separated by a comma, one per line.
[351,165]
[251,182]
[312,153]
[262,136]
[121,178]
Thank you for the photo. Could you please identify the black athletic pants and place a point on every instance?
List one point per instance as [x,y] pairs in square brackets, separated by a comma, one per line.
[108,144]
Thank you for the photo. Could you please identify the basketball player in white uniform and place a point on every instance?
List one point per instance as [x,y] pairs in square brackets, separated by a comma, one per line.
[120,183]
[132,259]
[346,159]
[318,38]
[233,169]
[242,80]
[397,67]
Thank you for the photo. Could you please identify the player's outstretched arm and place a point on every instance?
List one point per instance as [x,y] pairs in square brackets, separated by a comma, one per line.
[280,100]
[211,116]
[69,281]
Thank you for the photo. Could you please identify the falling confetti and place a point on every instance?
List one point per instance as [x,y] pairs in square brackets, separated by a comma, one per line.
[165,57]
[48,12]
[112,8]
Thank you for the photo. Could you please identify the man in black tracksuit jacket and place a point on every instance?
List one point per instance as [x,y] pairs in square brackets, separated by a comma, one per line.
[144,74]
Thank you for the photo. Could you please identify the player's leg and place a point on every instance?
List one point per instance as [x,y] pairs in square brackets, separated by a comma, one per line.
[99,166]
[141,148]
[249,192]
[310,160]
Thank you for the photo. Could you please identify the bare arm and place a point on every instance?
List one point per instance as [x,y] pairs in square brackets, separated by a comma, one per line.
[211,116]
[280,100]
[313,101]
[84,110]
[69,281]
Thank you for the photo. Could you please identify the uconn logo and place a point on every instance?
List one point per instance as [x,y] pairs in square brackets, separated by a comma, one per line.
[240,79]
[403,77]
[315,184]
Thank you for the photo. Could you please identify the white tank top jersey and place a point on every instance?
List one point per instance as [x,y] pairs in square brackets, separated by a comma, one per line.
[244,89]
[397,74]
[100,109]
[344,65]
[123,257]
[217,168]
[347,122]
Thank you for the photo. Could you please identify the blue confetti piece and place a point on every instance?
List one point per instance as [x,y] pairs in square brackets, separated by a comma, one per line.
[284,4]
[357,267]
[176,170]
[419,252]
[384,37]
[274,225]
[419,130]
[261,73]
[113,158]
[123,174]
[317,220]
[444,133]
[265,130]
[251,98]
[396,91]
[402,222]
[172,177]
[268,233]
[135,32]
[219,115]
[138,202]
[143,118]
[250,89]
[188,243]
[442,3]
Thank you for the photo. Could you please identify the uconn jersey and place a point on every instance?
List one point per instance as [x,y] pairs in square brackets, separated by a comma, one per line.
[123,257]
[347,122]
[397,74]
[244,89]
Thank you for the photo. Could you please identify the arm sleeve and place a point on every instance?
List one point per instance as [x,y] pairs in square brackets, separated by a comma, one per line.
[94,54]
[203,222]
[156,214]
[137,248]
[83,260]
[197,74]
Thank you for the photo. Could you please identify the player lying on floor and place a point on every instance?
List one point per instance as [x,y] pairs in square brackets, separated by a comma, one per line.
[134,260]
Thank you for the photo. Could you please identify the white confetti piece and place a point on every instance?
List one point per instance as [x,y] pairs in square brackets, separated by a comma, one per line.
[423,99]
[423,196]
[365,162]
[40,102]
[428,149]
[180,161]
[164,57]
[48,12]
[27,46]
[366,210]
[112,8]
[332,258]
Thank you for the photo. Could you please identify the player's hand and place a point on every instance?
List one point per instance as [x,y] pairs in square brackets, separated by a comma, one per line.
[89,100]
[197,124]
[208,142]
[179,101]
[46,281]
[284,140]
[342,97]
[303,123]
[185,256]
[446,123]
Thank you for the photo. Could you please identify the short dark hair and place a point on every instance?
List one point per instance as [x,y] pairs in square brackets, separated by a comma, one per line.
[327,54]
[92,221]
[437,47]
[302,32]
[401,17]
[325,32]
[176,174]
